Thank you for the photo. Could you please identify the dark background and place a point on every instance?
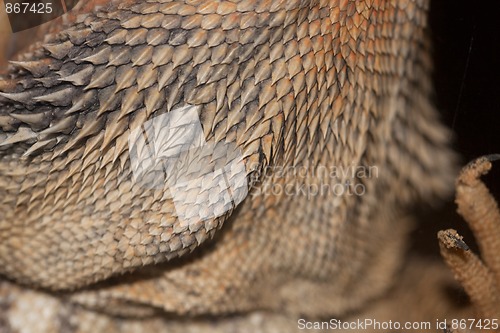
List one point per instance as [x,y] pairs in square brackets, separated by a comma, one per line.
[466,51]
[466,41]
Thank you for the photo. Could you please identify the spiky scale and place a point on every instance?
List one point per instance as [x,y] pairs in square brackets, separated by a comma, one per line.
[220,72]
[266,95]
[37,68]
[197,38]
[247,70]
[162,55]
[91,146]
[131,101]
[121,146]
[125,78]
[117,37]
[201,95]
[233,92]
[201,55]
[178,37]
[146,77]
[279,71]
[152,20]
[153,100]
[25,97]
[173,96]
[262,71]
[40,145]
[157,37]
[136,37]
[231,22]
[108,99]
[59,50]
[64,126]
[204,72]
[182,55]
[90,129]
[23,134]
[142,55]
[83,102]
[122,55]
[100,57]
[267,144]
[166,76]
[114,128]
[191,22]
[171,22]
[102,77]
[245,53]
[250,92]
[132,23]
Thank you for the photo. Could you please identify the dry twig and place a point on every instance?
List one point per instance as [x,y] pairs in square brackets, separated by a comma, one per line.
[480,277]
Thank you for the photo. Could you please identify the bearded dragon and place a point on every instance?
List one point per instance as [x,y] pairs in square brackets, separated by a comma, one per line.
[284,89]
